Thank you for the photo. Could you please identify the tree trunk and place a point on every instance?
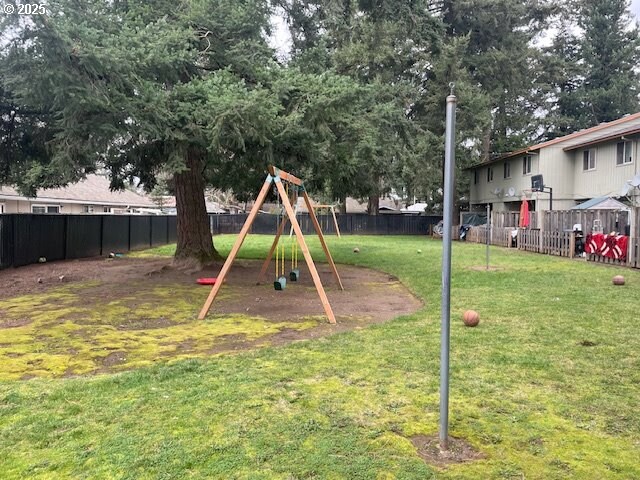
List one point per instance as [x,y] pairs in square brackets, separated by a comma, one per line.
[486,144]
[374,204]
[343,204]
[195,245]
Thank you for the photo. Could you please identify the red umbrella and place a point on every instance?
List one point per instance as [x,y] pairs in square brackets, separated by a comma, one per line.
[524,214]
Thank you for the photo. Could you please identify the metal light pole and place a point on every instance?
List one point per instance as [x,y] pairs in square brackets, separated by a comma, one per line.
[449,167]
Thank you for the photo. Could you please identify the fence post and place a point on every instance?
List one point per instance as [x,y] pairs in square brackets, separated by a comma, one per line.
[65,235]
[542,230]
[129,241]
[633,236]
[12,246]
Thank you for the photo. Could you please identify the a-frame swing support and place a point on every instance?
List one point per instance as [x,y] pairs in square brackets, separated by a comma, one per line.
[331,208]
[277,176]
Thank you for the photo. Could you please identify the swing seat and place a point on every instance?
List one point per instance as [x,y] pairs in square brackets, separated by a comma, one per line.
[207,281]
[294,275]
[280,283]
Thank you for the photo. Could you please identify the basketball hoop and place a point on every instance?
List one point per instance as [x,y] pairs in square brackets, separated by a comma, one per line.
[528,193]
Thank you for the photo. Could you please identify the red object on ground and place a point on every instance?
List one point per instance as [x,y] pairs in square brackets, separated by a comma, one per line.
[524,214]
[594,243]
[620,250]
[207,281]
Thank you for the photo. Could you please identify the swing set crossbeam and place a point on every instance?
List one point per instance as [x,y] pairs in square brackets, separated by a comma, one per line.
[277,176]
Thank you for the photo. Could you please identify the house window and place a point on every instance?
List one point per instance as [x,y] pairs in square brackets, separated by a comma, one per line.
[507,170]
[106,209]
[45,208]
[87,209]
[526,165]
[490,174]
[589,160]
[475,177]
[1,208]
[623,154]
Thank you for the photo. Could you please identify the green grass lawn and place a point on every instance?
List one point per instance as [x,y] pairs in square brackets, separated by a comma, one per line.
[525,390]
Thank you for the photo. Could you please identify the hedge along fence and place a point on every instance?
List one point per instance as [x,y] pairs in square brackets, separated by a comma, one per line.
[24,239]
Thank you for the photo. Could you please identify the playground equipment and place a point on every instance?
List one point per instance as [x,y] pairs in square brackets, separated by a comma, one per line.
[314,207]
[278,177]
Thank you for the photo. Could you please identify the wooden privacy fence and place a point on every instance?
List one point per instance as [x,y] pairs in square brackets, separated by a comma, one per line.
[600,220]
[348,223]
[512,219]
[608,220]
[556,237]
[26,238]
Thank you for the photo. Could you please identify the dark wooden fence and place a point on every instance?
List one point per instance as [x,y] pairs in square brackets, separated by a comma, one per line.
[360,224]
[24,239]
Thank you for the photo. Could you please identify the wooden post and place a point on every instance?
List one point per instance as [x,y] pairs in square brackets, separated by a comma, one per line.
[321,237]
[305,250]
[267,261]
[634,216]
[236,247]
[335,220]
[572,244]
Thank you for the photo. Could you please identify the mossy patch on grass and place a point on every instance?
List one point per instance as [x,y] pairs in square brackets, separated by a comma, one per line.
[57,333]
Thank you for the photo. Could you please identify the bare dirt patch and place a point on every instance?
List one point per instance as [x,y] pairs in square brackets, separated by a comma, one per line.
[367,294]
[146,324]
[157,305]
[13,323]
[460,451]
[42,277]
[114,358]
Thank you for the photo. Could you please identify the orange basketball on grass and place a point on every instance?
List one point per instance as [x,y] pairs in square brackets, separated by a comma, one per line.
[471,318]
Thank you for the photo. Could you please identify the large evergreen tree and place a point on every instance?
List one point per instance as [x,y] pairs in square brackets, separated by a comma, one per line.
[559,77]
[610,50]
[384,46]
[499,59]
[138,89]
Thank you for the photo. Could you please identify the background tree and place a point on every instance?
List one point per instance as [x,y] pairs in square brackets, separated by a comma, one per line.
[610,50]
[560,75]
[499,59]
[137,90]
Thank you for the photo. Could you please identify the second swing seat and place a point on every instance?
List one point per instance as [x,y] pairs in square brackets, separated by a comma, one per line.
[294,275]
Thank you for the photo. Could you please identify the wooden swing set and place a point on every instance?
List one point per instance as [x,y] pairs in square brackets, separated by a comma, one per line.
[278,177]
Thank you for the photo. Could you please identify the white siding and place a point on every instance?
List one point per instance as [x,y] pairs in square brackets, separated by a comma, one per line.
[482,193]
[563,172]
[607,179]
[24,206]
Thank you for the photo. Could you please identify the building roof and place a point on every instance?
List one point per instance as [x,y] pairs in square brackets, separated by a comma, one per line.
[601,203]
[611,136]
[616,128]
[384,203]
[416,207]
[93,190]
